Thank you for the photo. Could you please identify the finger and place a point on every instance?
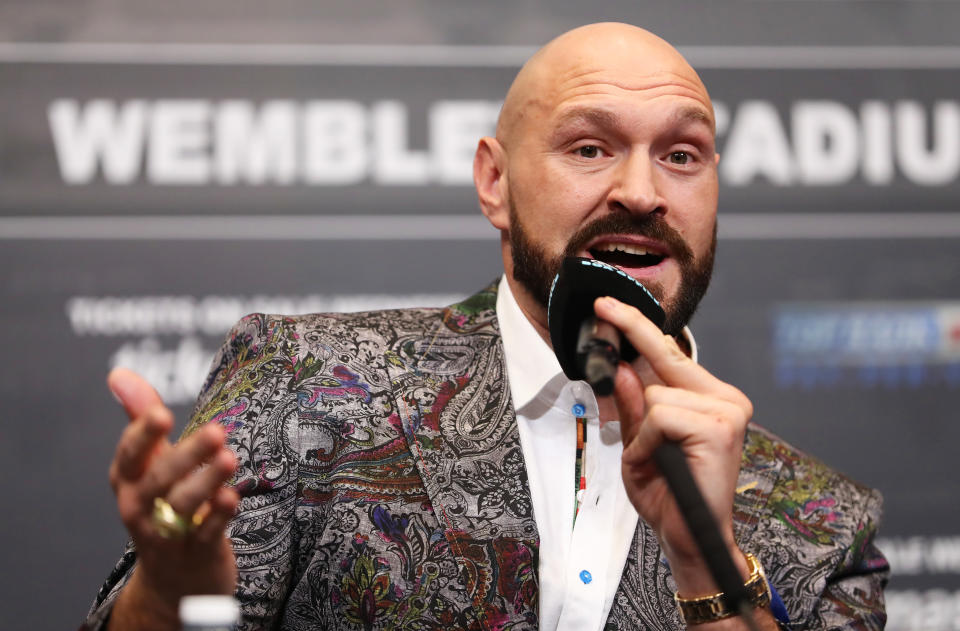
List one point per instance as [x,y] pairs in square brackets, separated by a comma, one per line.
[628,393]
[188,494]
[645,371]
[217,513]
[132,391]
[661,424]
[180,460]
[679,397]
[139,440]
[688,427]
[666,359]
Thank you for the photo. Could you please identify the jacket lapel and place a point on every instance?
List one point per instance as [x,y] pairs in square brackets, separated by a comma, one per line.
[644,599]
[454,402]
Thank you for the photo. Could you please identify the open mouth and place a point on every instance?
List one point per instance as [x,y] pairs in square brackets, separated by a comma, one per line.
[625,255]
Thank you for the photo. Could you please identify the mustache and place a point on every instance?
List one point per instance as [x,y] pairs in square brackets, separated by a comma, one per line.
[649,226]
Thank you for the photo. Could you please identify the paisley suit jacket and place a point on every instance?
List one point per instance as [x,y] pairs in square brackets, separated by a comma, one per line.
[383,487]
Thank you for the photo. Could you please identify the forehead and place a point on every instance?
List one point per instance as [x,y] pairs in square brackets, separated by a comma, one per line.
[614,88]
[673,83]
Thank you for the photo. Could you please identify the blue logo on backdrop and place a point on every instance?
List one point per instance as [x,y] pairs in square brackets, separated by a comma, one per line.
[889,345]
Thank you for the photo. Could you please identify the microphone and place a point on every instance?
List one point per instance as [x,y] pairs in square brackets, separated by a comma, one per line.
[598,351]
[579,339]
[589,349]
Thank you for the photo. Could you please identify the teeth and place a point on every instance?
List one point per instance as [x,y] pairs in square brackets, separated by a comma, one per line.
[623,247]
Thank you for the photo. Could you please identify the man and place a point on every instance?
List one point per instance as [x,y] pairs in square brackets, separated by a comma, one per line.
[415,469]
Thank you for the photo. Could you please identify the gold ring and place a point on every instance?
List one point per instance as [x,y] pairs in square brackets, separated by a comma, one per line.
[169,523]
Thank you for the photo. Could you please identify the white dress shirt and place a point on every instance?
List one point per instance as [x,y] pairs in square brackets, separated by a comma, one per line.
[580,562]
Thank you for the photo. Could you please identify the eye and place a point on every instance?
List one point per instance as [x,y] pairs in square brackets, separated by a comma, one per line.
[679,157]
[588,151]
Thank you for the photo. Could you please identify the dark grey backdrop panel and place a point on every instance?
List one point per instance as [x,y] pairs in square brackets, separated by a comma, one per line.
[834,304]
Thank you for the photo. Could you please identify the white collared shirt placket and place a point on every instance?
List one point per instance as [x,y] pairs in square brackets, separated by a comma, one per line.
[580,562]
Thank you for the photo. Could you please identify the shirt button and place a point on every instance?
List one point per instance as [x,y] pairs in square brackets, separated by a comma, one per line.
[585,577]
[578,409]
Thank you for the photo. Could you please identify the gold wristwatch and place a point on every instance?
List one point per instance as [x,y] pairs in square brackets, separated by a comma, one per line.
[711,608]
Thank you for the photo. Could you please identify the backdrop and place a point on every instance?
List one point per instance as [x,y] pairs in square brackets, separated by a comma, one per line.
[167,167]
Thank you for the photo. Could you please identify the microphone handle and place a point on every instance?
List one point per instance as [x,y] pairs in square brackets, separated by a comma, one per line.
[598,352]
[673,465]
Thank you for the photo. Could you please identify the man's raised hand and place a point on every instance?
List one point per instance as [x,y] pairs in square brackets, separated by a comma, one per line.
[666,396]
[189,476]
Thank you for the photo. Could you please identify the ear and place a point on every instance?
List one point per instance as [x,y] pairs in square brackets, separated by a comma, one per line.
[490,178]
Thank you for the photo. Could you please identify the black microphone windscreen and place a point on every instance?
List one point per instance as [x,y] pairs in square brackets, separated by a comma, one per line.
[576,286]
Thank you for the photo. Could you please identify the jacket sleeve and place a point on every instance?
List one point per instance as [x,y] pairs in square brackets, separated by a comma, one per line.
[853,599]
[814,533]
[246,392]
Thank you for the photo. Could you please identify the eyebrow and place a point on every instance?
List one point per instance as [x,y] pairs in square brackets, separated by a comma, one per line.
[606,118]
[691,114]
[601,118]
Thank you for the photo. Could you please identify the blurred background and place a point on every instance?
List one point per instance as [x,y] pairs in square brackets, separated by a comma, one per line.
[167,167]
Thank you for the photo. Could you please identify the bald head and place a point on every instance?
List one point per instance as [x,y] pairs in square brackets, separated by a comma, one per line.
[620,54]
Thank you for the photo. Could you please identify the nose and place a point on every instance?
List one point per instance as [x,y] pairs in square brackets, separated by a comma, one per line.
[635,188]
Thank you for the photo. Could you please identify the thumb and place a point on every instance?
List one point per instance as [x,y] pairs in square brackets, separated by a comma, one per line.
[648,377]
[133,392]
[628,393]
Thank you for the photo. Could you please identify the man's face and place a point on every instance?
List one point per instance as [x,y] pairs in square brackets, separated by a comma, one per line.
[621,168]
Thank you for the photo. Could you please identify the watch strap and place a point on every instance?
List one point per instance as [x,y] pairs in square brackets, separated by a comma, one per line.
[715,607]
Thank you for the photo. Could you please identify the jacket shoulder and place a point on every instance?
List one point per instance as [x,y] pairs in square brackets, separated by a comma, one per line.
[810,497]
[258,332]
[297,347]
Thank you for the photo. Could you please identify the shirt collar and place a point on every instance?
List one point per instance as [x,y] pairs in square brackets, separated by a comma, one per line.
[532,368]
[531,363]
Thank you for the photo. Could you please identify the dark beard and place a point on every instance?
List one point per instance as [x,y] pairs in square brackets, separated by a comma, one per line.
[535,269]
